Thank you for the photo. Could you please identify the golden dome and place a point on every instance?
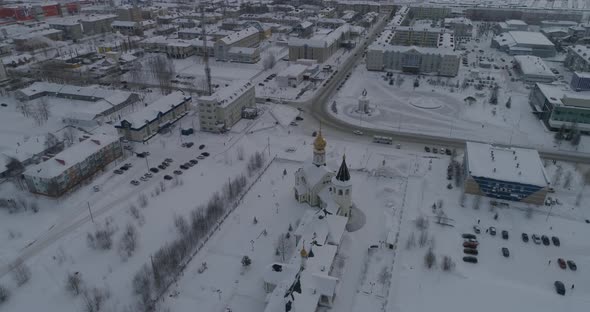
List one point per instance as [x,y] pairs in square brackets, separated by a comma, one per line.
[319,143]
[303,252]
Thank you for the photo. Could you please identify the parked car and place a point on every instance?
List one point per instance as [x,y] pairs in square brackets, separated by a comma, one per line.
[299,118]
[161,167]
[545,240]
[154,170]
[427,149]
[572,265]
[177,172]
[435,150]
[470,244]
[504,234]
[200,157]
[357,132]
[141,155]
[471,251]
[536,239]
[167,177]
[123,168]
[525,237]
[118,171]
[467,236]
[143,178]
[183,167]
[193,161]
[168,160]
[505,252]
[476,229]
[148,175]
[134,182]
[555,241]
[492,231]
[470,259]
[559,288]
[202,146]
[205,154]
[292,123]
[188,144]
[561,263]
[448,152]
[188,164]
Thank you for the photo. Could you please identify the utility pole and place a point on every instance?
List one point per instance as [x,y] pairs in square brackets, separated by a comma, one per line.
[206,52]
[268,138]
[90,211]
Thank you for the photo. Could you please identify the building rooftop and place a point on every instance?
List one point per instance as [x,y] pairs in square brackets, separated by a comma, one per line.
[139,118]
[532,65]
[320,41]
[71,156]
[225,95]
[509,164]
[530,38]
[293,70]
[97,17]
[239,35]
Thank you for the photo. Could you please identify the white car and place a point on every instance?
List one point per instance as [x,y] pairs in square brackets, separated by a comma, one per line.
[357,132]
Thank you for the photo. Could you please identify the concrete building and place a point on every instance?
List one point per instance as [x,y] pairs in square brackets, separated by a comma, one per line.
[291,76]
[524,43]
[221,110]
[578,58]
[565,24]
[319,47]
[580,81]
[157,117]
[33,40]
[505,173]
[430,11]
[512,25]
[128,28]
[72,30]
[533,69]
[303,29]
[70,167]
[412,59]
[556,106]
[129,13]
[246,38]
[97,24]
[243,55]
[461,26]
[421,36]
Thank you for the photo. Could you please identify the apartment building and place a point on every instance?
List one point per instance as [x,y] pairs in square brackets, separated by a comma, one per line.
[221,110]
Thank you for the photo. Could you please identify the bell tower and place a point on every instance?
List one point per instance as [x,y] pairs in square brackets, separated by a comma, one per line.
[342,189]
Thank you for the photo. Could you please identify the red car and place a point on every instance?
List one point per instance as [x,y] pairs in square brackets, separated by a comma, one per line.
[470,245]
[561,263]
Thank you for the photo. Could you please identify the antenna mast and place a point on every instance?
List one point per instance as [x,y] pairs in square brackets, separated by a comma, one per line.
[206,52]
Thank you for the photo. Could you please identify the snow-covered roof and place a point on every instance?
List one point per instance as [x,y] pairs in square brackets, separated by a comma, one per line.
[293,71]
[421,50]
[71,156]
[321,41]
[94,18]
[225,95]
[164,104]
[559,95]
[36,34]
[516,23]
[533,66]
[124,24]
[96,94]
[239,35]
[510,164]
[581,50]
[530,38]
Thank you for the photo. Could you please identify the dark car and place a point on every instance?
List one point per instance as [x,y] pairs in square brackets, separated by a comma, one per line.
[561,263]
[505,234]
[205,154]
[162,167]
[193,161]
[118,171]
[427,149]
[165,164]
[134,182]
[505,252]
[167,177]
[168,160]
[536,239]
[154,170]
[492,231]
[559,288]
[470,244]
[177,172]
[525,237]
[555,241]
[448,152]
[471,251]
[467,236]
[470,259]
[202,146]
[188,144]
[123,168]
[298,118]
[572,265]
[188,164]
[183,167]
[141,155]
[545,240]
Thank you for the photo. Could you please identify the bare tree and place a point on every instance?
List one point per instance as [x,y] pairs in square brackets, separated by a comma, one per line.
[423,239]
[43,109]
[21,273]
[162,69]
[68,136]
[421,222]
[94,298]
[284,246]
[240,152]
[529,212]
[142,200]
[181,226]
[128,242]
[429,258]
[411,243]
[448,264]
[50,141]
[246,261]
[136,214]
[74,283]
[24,107]
[269,61]
[4,294]
[142,286]
[476,202]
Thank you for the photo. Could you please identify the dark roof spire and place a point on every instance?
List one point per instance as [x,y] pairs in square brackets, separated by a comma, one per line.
[343,174]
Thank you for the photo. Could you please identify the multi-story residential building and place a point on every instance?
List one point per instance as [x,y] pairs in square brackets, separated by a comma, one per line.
[505,173]
[97,24]
[73,165]
[244,55]
[246,38]
[129,13]
[144,124]
[72,30]
[412,59]
[578,58]
[319,47]
[128,28]
[422,36]
[580,81]
[30,41]
[430,11]
[557,106]
[221,110]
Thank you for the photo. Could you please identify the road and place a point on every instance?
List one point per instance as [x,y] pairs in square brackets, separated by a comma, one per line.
[318,107]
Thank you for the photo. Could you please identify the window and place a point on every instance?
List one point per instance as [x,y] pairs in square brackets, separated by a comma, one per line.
[346,192]
[339,192]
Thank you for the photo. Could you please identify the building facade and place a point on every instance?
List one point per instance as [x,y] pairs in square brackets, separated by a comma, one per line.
[319,49]
[556,107]
[246,38]
[524,43]
[443,62]
[93,25]
[580,81]
[67,169]
[220,111]
[71,30]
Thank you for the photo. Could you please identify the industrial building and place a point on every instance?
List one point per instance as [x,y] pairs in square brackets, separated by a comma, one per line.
[534,69]
[524,43]
[67,169]
[221,110]
[291,76]
[505,173]
[556,106]
[145,123]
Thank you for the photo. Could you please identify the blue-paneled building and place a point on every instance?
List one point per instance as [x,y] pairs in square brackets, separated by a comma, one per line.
[505,173]
[580,81]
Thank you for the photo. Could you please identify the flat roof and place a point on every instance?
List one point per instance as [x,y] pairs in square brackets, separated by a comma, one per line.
[293,70]
[225,95]
[70,156]
[509,164]
[530,38]
[533,65]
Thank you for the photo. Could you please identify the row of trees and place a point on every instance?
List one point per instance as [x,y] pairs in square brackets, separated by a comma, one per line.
[571,134]
[168,261]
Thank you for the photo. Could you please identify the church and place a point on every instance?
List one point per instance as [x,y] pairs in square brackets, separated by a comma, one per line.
[316,185]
